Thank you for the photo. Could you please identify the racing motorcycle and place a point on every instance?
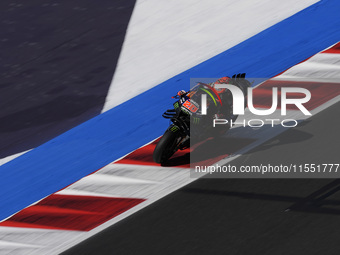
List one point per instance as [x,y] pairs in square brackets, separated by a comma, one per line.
[186,118]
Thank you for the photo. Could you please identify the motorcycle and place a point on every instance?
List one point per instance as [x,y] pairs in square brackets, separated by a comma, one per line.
[187,121]
[183,118]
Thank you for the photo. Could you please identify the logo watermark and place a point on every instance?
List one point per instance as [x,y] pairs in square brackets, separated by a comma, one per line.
[239,103]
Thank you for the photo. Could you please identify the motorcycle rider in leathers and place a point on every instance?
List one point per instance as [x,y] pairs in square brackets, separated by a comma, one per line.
[224,111]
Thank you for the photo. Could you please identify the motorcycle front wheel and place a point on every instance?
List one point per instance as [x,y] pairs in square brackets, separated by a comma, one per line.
[166,147]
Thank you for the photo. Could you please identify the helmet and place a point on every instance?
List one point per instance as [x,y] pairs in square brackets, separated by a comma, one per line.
[223,80]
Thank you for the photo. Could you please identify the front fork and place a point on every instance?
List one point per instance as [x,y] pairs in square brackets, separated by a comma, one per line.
[183,141]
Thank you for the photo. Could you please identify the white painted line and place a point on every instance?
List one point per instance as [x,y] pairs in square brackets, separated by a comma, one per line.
[110,179]
[4,244]
[74,192]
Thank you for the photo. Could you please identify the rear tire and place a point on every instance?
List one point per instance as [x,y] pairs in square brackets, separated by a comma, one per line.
[166,147]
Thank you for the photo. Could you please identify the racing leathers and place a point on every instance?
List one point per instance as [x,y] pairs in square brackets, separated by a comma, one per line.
[223,110]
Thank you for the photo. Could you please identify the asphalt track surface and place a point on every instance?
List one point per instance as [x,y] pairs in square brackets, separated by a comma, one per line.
[243,216]
[57,60]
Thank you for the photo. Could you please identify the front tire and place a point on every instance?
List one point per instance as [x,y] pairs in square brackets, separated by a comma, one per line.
[166,147]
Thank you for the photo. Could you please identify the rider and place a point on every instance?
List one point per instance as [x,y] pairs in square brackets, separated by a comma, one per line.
[224,111]
[237,80]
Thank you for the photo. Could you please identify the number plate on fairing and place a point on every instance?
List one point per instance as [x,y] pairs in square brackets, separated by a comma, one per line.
[190,106]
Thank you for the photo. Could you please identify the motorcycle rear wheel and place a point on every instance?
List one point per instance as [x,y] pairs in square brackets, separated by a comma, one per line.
[166,147]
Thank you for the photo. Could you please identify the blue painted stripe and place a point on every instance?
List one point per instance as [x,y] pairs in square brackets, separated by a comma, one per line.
[117,132]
